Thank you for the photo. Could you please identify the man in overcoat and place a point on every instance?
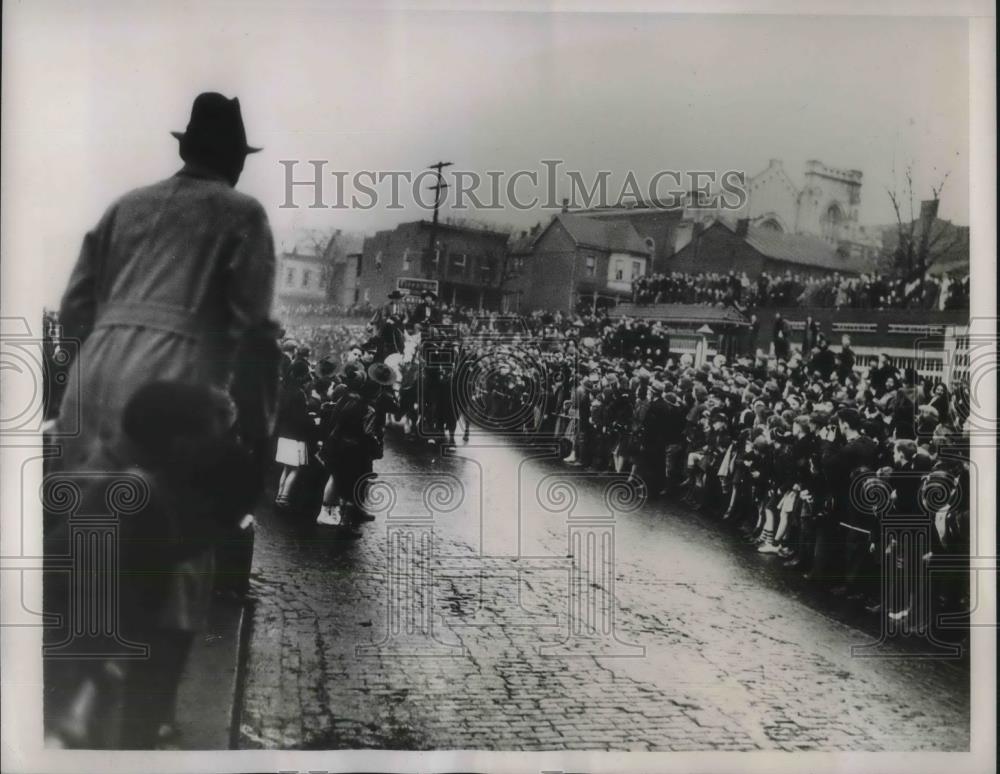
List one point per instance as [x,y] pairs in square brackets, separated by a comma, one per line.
[173,282]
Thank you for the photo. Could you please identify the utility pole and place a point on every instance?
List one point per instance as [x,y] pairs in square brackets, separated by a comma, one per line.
[438,189]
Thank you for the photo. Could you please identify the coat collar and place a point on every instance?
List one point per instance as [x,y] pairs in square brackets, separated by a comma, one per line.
[200,172]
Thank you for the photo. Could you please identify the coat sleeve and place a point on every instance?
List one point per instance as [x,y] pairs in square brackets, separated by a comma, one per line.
[78,308]
[249,290]
[250,273]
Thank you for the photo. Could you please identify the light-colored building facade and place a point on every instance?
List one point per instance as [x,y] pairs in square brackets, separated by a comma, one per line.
[826,206]
[301,279]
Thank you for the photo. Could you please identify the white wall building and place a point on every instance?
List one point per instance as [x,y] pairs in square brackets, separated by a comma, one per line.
[825,206]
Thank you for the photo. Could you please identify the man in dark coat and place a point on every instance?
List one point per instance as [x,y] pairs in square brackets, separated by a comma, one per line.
[823,362]
[426,312]
[844,455]
[392,308]
[880,374]
[846,359]
[782,346]
[653,441]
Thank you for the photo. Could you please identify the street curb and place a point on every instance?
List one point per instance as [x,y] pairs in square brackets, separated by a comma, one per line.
[210,693]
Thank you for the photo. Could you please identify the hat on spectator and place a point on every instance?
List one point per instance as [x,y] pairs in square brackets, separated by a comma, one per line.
[298,371]
[819,418]
[849,417]
[354,375]
[395,295]
[781,435]
[657,386]
[216,126]
[672,398]
[382,374]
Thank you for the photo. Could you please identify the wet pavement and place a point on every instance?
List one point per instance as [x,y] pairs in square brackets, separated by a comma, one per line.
[502,600]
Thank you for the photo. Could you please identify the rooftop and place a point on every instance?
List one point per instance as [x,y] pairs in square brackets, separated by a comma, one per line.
[800,249]
[617,236]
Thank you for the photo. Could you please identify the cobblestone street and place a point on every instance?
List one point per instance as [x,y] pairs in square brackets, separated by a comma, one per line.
[705,647]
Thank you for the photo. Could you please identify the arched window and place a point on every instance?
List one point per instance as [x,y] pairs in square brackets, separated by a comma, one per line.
[831,222]
[650,245]
[771,224]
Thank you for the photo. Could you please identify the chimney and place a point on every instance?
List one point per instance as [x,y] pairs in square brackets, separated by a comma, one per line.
[742,227]
[565,205]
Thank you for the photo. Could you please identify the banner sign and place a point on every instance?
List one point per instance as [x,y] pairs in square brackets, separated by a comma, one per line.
[415,285]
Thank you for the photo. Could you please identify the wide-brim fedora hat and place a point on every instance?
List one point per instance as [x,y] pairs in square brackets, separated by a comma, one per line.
[216,124]
[380,373]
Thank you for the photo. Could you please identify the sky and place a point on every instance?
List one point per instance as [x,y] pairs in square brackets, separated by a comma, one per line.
[91,91]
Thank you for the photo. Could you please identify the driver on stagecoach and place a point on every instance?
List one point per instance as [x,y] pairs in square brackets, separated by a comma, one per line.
[392,308]
[426,312]
[388,326]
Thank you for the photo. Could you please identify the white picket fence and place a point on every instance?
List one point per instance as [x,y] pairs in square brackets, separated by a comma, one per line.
[948,363]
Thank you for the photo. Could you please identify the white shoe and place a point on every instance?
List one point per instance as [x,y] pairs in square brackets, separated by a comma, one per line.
[329,516]
[767,548]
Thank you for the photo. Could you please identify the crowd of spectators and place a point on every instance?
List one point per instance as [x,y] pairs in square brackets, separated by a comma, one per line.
[804,453]
[868,291]
[286,311]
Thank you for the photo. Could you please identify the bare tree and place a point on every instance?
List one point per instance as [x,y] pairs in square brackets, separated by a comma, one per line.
[920,241]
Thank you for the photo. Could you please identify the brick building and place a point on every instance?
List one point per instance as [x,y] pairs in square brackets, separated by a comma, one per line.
[471,265]
[655,225]
[723,247]
[581,257]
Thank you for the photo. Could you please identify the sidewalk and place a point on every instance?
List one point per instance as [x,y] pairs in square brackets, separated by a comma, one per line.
[209,693]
